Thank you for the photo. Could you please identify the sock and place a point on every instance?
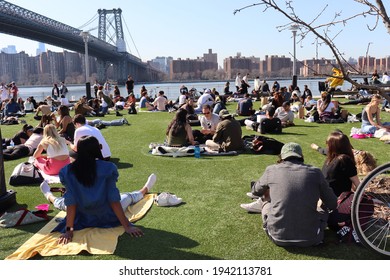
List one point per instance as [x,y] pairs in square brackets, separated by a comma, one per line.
[151,181]
[45,189]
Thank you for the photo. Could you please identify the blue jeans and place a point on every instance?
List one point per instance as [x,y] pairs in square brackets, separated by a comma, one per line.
[104,110]
[368,128]
[385,104]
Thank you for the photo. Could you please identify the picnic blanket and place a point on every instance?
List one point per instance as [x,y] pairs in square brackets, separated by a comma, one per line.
[50,179]
[96,241]
[163,150]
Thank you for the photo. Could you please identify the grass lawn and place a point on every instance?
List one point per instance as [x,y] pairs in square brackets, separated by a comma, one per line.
[210,224]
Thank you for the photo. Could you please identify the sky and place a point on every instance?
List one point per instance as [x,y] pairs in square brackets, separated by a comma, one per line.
[187,29]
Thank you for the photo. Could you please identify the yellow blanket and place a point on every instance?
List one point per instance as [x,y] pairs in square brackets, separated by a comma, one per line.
[94,240]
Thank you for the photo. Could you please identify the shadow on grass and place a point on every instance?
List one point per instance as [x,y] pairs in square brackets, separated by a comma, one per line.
[158,245]
[154,245]
[330,249]
[302,125]
[291,133]
[121,165]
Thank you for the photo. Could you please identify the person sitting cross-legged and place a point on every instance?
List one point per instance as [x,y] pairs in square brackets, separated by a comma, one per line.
[285,114]
[245,106]
[228,136]
[208,123]
[270,124]
[84,129]
[290,191]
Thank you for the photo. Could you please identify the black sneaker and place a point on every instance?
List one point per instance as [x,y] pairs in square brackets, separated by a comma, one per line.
[118,114]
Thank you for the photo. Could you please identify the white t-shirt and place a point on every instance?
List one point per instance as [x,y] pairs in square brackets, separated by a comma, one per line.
[87,130]
[385,79]
[120,103]
[310,103]
[65,101]
[238,81]
[297,92]
[283,115]
[160,103]
[63,150]
[204,99]
[4,93]
[257,84]
[209,124]
[328,109]
[28,105]
[182,99]
[33,142]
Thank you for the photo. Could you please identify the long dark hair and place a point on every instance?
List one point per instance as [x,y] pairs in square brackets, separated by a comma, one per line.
[326,98]
[84,167]
[178,123]
[63,110]
[338,145]
[27,127]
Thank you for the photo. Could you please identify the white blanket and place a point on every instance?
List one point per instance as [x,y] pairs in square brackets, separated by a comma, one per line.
[51,179]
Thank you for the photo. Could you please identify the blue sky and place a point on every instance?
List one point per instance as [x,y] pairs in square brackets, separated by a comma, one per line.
[187,29]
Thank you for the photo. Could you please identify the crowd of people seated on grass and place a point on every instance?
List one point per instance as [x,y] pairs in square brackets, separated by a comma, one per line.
[287,194]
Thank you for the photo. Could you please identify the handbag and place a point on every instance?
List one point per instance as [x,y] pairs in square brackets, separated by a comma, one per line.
[25,173]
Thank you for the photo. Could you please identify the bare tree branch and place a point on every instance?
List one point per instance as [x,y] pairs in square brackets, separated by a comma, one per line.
[322,30]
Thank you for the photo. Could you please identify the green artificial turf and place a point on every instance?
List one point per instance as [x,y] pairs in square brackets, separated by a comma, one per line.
[210,223]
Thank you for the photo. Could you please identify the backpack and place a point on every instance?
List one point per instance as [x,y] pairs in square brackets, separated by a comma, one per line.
[259,144]
[340,219]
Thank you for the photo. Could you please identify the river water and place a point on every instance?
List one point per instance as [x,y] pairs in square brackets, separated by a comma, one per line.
[172,90]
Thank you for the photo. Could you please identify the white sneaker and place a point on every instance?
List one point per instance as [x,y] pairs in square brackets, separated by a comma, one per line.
[251,195]
[253,207]
[167,199]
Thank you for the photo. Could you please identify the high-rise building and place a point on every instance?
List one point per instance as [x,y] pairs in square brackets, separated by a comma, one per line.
[10,49]
[313,67]
[162,63]
[274,65]
[239,63]
[193,68]
[366,64]
[210,57]
[41,48]
[72,63]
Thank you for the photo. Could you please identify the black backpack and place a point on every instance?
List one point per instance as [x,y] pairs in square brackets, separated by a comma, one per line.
[259,144]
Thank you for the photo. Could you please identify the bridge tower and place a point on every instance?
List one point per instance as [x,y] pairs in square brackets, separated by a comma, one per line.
[105,26]
[105,33]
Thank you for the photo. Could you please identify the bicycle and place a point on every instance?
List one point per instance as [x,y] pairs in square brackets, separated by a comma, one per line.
[372,225]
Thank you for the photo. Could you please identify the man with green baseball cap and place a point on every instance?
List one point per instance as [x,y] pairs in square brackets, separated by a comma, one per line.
[289,192]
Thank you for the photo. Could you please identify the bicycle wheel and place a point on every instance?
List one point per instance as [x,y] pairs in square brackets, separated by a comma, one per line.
[371,210]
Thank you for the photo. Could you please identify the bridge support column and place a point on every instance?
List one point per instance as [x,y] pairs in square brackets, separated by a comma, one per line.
[101,70]
[120,71]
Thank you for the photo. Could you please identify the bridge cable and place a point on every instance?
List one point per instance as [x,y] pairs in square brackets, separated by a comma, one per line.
[89,21]
[131,38]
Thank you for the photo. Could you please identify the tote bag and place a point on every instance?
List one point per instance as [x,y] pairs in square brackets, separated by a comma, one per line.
[25,173]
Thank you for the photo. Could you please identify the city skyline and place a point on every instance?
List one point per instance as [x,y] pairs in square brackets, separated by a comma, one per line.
[169,29]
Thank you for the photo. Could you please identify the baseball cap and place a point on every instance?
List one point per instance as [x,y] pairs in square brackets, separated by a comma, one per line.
[291,149]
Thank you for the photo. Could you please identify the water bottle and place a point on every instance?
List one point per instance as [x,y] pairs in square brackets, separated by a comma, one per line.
[12,143]
[197,151]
